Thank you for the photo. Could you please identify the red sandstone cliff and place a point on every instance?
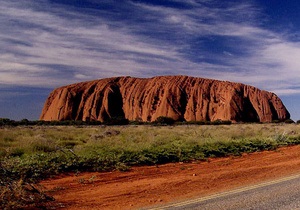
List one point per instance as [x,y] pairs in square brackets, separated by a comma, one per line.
[179,97]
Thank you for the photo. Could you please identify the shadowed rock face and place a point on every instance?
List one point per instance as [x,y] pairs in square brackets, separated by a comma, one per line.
[178,97]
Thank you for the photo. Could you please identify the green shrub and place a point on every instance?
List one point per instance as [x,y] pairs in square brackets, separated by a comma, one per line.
[162,120]
[16,152]
[116,121]
[220,122]
[5,121]
[3,153]
[69,144]
[40,147]
[289,121]
[9,139]
[24,122]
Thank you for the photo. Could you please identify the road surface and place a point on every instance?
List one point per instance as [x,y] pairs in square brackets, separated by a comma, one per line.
[279,194]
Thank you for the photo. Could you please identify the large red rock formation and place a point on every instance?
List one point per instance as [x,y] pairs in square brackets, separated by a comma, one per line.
[178,97]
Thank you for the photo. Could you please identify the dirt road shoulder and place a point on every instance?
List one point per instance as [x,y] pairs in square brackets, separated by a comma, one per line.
[152,185]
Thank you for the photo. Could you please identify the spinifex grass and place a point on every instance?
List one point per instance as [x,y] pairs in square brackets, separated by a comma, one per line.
[31,153]
[36,152]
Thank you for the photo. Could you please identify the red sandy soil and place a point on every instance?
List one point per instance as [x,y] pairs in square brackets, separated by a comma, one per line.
[155,185]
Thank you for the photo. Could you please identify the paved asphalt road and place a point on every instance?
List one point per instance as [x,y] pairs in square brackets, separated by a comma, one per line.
[279,194]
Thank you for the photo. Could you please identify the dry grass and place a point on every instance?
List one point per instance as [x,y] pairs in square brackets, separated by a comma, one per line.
[18,141]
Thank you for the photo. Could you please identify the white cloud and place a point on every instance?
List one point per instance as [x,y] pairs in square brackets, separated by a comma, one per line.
[82,76]
[50,46]
[284,54]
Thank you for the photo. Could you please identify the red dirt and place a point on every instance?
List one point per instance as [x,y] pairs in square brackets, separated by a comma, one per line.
[153,185]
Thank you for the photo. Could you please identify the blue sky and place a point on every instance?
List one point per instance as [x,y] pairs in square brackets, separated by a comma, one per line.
[45,44]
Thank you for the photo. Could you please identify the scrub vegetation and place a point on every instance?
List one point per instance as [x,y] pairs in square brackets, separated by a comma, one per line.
[31,153]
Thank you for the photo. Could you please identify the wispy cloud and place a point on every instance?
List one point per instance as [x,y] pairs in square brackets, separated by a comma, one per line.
[45,44]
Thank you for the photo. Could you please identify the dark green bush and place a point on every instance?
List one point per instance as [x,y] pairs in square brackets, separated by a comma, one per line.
[116,121]
[41,147]
[16,152]
[162,120]
[289,121]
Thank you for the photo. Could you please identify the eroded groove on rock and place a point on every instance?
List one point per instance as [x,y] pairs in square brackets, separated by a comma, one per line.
[178,97]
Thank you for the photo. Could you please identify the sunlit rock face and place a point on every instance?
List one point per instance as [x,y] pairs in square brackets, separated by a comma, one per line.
[178,97]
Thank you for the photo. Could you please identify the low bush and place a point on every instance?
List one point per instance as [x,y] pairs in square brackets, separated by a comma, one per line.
[116,121]
[162,120]
[105,159]
[289,121]
[20,194]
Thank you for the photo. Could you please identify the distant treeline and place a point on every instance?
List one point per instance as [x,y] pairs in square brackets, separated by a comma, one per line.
[119,121]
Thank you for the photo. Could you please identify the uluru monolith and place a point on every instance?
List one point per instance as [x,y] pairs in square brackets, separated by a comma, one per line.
[179,97]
